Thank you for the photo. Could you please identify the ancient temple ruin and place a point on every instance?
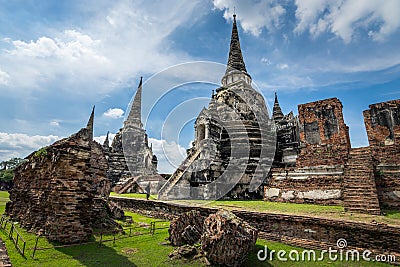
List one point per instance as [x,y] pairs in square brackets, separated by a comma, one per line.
[61,190]
[312,149]
[327,170]
[132,163]
[313,161]
[233,147]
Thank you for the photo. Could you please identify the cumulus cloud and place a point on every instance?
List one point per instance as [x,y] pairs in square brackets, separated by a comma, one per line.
[170,154]
[70,46]
[114,113]
[122,41]
[343,18]
[21,145]
[4,77]
[254,16]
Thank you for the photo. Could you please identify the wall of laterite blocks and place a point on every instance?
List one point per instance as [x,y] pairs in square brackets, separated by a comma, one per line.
[324,136]
[317,185]
[308,232]
[382,122]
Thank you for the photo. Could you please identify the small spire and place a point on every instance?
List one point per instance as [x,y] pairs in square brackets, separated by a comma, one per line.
[277,114]
[106,141]
[90,123]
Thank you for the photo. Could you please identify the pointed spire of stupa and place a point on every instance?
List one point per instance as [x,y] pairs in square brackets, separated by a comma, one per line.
[235,60]
[134,117]
[90,123]
[277,114]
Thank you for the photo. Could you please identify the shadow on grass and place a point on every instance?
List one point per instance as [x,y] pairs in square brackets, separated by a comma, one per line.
[392,213]
[92,255]
[253,261]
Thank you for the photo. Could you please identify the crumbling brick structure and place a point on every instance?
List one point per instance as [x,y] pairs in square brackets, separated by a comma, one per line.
[61,190]
[382,121]
[324,136]
[318,174]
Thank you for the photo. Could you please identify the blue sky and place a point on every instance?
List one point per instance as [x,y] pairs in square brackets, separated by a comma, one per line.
[59,58]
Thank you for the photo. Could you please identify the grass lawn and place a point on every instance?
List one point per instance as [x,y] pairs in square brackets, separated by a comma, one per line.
[133,195]
[391,217]
[138,250]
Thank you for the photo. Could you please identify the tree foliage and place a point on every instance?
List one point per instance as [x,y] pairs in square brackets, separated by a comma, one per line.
[7,169]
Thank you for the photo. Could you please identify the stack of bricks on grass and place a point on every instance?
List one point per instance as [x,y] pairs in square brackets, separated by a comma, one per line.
[225,238]
[186,229]
[62,190]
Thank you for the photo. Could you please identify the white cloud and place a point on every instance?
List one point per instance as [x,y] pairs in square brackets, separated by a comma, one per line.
[21,145]
[4,77]
[282,66]
[266,61]
[254,16]
[339,17]
[70,46]
[170,154]
[100,139]
[344,17]
[114,113]
[55,123]
[125,40]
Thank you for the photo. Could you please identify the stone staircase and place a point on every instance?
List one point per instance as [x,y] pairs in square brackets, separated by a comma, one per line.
[176,176]
[124,187]
[359,192]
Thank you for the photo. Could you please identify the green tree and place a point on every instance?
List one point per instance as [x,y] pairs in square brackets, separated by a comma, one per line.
[7,169]
[10,164]
[6,175]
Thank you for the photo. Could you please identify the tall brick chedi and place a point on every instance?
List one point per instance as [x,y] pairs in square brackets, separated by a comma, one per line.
[62,190]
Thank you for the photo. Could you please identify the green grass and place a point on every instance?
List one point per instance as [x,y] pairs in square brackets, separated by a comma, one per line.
[133,195]
[138,250]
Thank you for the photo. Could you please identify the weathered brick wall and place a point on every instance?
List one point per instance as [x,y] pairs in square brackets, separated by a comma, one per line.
[308,232]
[61,190]
[317,185]
[324,136]
[382,122]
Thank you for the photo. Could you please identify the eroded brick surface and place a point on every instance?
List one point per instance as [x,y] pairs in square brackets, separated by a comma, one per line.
[324,136]
[61,191]
[382,122]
